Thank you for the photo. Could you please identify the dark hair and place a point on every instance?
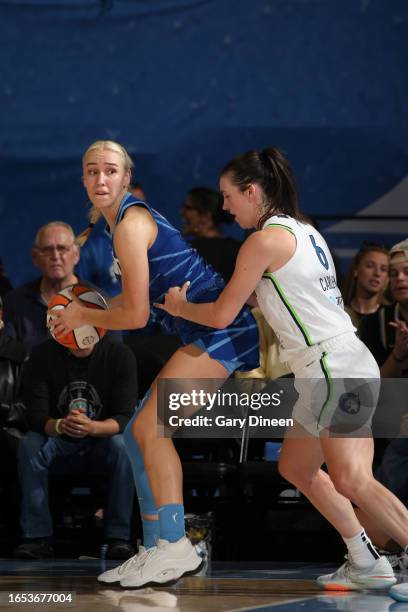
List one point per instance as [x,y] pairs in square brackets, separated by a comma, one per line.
[271,171]
[207,200]
[350,282]
[136,185]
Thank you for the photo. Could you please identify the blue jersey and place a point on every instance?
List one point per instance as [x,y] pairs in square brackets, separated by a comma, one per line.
[171,263]
[96,264]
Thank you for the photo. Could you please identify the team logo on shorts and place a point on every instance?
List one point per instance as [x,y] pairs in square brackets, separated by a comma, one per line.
[350,403]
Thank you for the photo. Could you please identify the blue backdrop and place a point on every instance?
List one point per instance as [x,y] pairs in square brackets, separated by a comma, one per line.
[187,84]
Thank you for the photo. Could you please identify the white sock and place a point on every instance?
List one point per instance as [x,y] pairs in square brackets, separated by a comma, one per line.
[361,550]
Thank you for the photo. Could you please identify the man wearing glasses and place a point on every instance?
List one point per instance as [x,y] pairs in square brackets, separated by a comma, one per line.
[55,254]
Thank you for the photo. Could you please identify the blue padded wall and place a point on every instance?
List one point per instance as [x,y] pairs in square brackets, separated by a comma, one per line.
[186,85]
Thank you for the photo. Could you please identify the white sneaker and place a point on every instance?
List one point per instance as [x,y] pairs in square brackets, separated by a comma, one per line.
[351,578]
[399,592]
[115,575]
[168,562]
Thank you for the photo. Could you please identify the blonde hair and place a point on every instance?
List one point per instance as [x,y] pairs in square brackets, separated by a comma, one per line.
[94,214]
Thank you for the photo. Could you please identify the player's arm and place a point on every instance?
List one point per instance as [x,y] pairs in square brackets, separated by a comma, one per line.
[115,301]
[264,250]
[133,237]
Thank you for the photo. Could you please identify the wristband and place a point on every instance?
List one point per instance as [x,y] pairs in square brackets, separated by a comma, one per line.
[397,358]
[57,426]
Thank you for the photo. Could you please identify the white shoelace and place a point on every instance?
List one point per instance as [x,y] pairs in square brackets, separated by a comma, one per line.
[344,570]
[137,560]
[146,555]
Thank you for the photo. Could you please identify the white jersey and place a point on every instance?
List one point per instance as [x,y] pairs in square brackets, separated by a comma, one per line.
[301,301]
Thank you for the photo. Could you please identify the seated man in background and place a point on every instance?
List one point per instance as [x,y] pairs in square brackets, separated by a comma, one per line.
[78,403]
[55,254]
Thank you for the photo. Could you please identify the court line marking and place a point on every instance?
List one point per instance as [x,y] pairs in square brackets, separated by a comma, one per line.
[272,605]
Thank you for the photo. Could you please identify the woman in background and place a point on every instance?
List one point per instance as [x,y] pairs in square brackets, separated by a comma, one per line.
[366,281]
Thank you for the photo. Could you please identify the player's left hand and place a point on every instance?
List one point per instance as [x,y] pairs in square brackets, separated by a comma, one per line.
[174,299]
[67,319]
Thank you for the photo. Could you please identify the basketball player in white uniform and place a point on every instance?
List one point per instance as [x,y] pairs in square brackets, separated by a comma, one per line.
[303,304]
[288,264]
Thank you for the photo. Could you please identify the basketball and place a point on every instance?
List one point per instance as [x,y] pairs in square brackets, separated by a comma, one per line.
[87,335]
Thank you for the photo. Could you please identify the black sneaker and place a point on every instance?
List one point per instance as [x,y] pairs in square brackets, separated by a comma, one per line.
[398,560]
[34,548]
[119,549]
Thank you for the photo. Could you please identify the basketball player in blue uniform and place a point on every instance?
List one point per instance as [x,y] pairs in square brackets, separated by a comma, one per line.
[287,263]
[151,257]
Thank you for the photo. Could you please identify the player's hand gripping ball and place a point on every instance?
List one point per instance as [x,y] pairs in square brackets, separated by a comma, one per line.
[87,335]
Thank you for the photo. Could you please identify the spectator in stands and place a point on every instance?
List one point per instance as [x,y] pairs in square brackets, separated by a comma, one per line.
[366,281]
[13,354]
[96,264]
[203,218]
[137,190]
[55,253]
[385,332]
[78,403]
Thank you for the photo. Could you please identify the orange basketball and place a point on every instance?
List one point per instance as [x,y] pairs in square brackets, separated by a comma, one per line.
[87,335]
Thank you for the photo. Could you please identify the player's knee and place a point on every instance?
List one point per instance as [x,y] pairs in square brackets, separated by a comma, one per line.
[30,444]
[349,483]
[294,473]
[117,444]
[142,431]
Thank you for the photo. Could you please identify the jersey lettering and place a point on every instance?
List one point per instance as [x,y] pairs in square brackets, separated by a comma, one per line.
[328,282]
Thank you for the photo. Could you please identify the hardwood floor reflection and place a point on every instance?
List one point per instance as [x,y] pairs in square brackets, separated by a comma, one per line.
[198,594]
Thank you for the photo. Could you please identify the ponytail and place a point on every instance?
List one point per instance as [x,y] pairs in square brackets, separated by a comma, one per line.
[94,216]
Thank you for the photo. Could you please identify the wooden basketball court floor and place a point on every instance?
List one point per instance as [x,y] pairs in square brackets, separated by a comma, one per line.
[259,587]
